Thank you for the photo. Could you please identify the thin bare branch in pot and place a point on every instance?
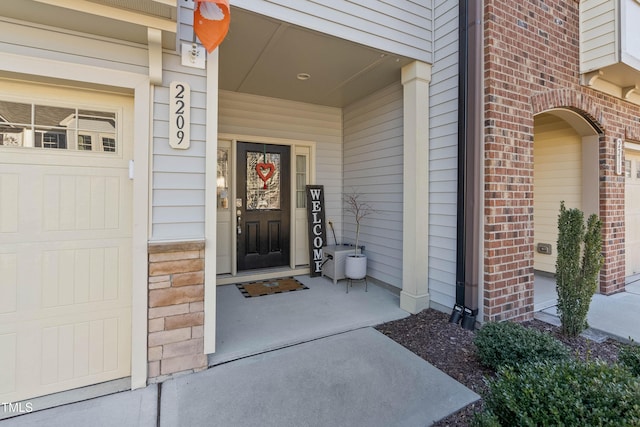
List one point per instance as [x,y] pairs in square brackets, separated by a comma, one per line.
[360,209]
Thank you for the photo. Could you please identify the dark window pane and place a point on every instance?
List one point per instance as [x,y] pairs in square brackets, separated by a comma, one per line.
[109,144]
[54,140]
[84,142]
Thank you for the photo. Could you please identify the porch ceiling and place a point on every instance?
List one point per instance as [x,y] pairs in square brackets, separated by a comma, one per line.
[263,56]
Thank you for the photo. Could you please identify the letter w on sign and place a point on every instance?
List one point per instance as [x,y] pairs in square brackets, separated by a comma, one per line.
[317,229]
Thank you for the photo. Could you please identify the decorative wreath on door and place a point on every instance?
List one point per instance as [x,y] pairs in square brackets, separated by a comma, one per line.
[265,170]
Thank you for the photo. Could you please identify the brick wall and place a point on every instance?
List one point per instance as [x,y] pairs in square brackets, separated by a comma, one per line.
[176,309]
[531,51]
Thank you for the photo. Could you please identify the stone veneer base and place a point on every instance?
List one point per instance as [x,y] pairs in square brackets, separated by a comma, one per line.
[175,310]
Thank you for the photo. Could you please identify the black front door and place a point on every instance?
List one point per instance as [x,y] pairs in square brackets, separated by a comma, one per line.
[262,207]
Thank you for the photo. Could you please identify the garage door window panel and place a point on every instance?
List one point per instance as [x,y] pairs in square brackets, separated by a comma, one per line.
[15,120]
[57,127]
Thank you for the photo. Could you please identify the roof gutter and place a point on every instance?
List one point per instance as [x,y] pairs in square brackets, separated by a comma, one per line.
[470,110]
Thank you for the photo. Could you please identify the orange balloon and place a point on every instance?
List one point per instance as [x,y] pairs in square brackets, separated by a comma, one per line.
[211,22]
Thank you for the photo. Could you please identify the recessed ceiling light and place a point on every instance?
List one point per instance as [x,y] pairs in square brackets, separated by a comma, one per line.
[303,76]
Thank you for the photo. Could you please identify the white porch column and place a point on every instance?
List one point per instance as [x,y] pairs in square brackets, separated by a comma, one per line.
[211,210]
[415,231]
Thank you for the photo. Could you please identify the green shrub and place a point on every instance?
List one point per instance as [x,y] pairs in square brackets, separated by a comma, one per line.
[509,344]
[485,419]
[577,281]
[630,357]
[568,393]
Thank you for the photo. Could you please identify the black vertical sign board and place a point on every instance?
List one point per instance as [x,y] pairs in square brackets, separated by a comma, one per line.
[317,231]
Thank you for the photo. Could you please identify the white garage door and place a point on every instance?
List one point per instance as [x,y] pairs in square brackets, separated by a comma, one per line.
[632,212]
[65,238]
[557,172]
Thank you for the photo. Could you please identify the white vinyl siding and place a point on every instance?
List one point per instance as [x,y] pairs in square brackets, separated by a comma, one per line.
[599,45]
[443,155]
[557,172]
[402,27]
[35,41]
[257,116]
[178,175]
[373,165]
[630,33]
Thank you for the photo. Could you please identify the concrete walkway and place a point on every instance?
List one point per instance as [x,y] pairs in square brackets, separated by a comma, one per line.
[127,408]
[354,378]
[357,378]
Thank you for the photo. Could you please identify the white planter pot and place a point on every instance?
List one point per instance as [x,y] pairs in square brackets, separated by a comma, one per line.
[356,267]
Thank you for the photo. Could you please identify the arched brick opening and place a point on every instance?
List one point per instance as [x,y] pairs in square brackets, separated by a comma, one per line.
[571,99]
[602,119]
[565,170]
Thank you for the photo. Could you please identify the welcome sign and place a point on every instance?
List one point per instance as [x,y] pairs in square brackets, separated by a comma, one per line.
[317,231]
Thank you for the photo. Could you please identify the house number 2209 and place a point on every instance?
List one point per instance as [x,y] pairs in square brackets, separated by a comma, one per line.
[179,115]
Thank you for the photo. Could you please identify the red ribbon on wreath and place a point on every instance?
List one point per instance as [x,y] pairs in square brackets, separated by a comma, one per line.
[265,172]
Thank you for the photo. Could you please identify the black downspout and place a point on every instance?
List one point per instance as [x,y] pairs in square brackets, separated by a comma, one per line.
[458,309]
[465,309]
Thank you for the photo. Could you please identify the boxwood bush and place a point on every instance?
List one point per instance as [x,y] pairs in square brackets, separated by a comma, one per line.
[630,357]
[568,393]
[578,266]
[510,344]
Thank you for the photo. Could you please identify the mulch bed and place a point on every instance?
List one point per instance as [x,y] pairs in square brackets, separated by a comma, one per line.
[450,348]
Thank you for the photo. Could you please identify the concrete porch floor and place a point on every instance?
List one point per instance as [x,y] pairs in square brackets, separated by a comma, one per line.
[614,315]
[545,295]
[249,326]
[544,292]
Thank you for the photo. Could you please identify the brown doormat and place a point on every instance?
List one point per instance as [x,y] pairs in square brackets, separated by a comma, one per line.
[270,287]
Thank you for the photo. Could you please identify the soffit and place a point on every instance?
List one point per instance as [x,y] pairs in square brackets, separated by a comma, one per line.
[263,56]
